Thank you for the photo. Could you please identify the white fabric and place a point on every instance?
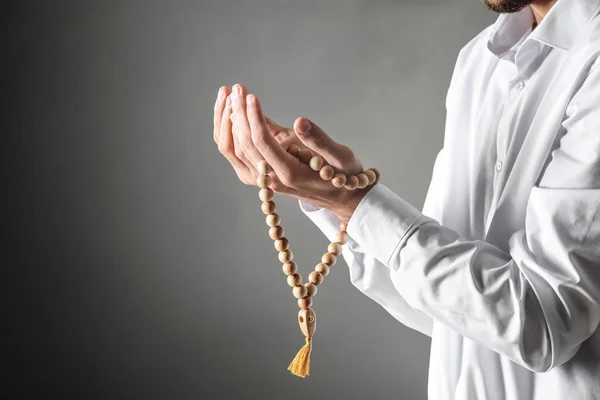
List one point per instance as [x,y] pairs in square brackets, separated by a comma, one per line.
[502,265]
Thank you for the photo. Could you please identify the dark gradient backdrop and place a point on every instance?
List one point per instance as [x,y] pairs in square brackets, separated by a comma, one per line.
[135,265]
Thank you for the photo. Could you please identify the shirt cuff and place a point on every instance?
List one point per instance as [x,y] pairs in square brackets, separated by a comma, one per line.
[382,222]
[323,218]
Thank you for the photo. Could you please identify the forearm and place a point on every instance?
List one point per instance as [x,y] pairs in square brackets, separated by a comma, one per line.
[534,305]
[367,274]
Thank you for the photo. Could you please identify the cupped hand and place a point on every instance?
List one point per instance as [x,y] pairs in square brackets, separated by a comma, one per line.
[245,136]
[227,138]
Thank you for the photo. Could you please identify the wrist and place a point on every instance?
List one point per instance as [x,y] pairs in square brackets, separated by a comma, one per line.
[345,205]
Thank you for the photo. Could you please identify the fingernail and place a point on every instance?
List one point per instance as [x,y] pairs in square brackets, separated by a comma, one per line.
[250,98]
[304,126]
[220,93]
[236,91]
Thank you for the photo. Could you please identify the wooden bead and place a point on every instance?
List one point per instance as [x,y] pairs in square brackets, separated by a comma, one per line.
[327,172]
[343,226]
[294,279]
[334,248]
[263,167]
[282,244]
[311,289]
[266,194]
[377,174]
[286,256]
[273,219]
[322,268]
[290,268]
[315,277]
[305,155]
[263,181]
[276,232]
[293,150]
[316,163]
[363,181]
[329,259]
[299,291]
[305,303]
[371,175]
[268,207]
[338,180]
[342,237]
[351,183]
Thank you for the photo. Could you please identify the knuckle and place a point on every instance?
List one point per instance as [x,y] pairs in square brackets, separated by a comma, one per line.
[286,177]
[345,149]
[276,185]
[318,140]
[239,153]
[245,144]
[258,140]
[247,147]
[344,153]
[224,149]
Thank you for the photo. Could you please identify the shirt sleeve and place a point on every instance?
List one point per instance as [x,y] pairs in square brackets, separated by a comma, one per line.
[534,304]
[367,274]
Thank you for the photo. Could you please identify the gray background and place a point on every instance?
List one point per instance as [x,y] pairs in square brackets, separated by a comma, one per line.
[139,267]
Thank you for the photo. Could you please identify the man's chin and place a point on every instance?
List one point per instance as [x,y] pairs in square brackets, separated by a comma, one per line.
[506,6]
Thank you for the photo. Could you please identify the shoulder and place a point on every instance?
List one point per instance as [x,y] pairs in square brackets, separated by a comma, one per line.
[473,63]
[594,32]
[589,43]
[584,56]
[476,47]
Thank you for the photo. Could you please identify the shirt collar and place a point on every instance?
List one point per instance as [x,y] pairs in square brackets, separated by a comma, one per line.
[559,28]
[508,31]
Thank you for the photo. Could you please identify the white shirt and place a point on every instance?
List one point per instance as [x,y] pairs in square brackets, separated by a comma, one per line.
[502,266]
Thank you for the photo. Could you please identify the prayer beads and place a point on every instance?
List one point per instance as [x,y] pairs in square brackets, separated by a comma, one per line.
[305,292]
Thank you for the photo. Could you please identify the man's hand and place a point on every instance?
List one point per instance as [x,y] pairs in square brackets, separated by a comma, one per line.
[245,136]
[225,137]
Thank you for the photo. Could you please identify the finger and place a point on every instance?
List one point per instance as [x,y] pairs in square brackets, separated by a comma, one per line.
[274,128]
[280,160]
[279,187]
[226,145]
[317,140]
[218,112]
[239,153]
[280,133]
[244,134]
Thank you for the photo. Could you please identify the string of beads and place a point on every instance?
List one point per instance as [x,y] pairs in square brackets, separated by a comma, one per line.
[300,366]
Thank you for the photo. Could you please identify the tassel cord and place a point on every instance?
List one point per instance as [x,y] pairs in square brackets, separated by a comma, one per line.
[300,365]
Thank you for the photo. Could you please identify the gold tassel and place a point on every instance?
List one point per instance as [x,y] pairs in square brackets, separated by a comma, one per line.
[300,365]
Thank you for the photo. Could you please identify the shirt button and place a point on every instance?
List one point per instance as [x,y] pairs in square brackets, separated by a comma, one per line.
[498,165]
[520,85]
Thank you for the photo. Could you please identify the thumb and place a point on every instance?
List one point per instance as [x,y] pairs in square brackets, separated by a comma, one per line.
[317,140]
[273,126]
[280,133]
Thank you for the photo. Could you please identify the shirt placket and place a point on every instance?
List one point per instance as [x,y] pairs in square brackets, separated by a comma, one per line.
[504,132]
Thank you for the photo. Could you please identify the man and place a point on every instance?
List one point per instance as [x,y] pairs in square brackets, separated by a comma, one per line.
[502,266]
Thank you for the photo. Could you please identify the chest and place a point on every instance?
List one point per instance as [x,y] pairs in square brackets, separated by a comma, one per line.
[501,129]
